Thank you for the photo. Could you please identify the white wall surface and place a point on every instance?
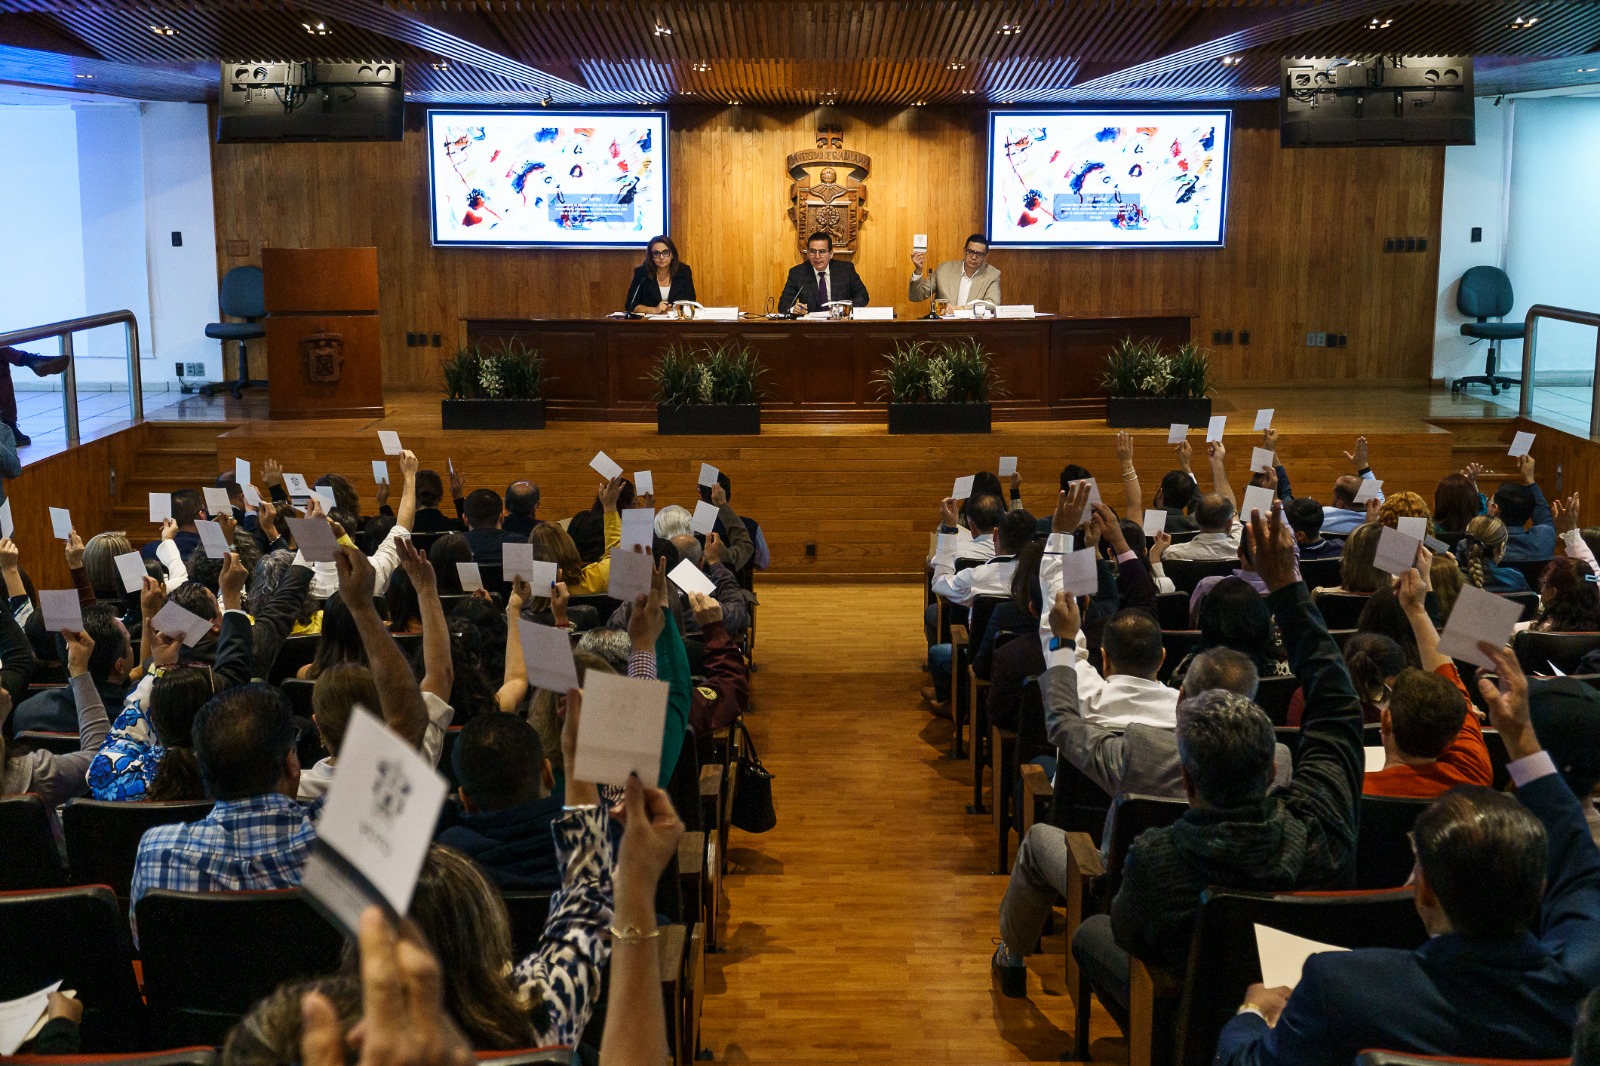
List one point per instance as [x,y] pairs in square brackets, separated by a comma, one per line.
[41,256]
[1474,181]
[111,204]
[183,281]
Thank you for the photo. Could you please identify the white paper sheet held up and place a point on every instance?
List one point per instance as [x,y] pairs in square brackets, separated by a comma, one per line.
[1008,465]
[1264,419]
[296,486]
[61,523]
[1215,429]
[516,560]
[217,501]
[1256,498]
[543,577]
[604,465]
[241,471]
[1478,615]
[638,527]
[1079,575]
[1414,527]
[690,578]
[1155,520]
[919,242]
[708,475]
[160,506]
[1177,432]
[1521,444]
[644,482]
[314,537]
[1283,955]
[18,1016]
[630,574]
[390,441]
[130,568]
[1375,757]
[252,495]
[547,653]
[962,488]
[211,538]
[324,493]
[378,820]
[1094,494]
[175,621]
[1396,553]
[620,733]
[705,517]
[1262,459]
[61,609]
[8,525]
[471,577]
[380,472]
[1371,489]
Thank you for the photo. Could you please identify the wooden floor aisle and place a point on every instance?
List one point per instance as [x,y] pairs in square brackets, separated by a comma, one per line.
[860,929]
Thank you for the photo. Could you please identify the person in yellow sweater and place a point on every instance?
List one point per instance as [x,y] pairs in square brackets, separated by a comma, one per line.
[552,544]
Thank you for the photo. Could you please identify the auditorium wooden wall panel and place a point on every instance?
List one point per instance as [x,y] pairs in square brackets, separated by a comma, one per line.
[1304,243]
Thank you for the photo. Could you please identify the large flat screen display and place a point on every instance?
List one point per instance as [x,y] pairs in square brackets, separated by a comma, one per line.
[1108,179]
[579,179]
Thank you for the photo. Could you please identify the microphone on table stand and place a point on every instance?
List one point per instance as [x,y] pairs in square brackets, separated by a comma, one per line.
[627,305]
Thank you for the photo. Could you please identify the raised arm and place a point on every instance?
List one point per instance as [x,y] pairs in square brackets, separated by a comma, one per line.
[399,698]
[514,684]
[406,516]
[740,548]
[1218,454]
[1132,494]
[1100,753]
[438,671]
[1413,593]
[1135,588]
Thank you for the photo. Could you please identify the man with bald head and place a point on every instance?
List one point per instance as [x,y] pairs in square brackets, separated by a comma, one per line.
[522,508]
[1345,514]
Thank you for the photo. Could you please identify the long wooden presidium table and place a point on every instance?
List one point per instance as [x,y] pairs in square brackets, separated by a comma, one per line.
[1049,367]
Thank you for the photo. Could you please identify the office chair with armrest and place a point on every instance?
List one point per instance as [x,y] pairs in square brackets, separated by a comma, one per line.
[1484,292]
[243,295]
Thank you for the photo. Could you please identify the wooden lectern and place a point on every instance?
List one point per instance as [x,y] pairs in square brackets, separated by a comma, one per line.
[324,357]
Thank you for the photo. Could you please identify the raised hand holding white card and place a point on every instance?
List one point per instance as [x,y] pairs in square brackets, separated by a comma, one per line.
[705,518]
[1478,616]
[604,465]
[962,489]
[211,539]
[380,472]
[1215,429]
[708,475]
[8,526]
[1371,489]
[1256,498]
[175,621]
[516,560]
[1414,527]
[471,577]
[638,527]
[690,578]
[547,654]
[160,506]
[1079,574]
[296,485]
[1264,419]
[61,523]
[390,441]
[62,610]
[630,575]
[314,537]
[1155,520]
[325,494]
[542,576]
[1262,459]
[1177,432]
[1396,552]
[1008,465]
[252,495]
[217,501]
[241,471]
[621,730]
[130,568]
[644,483]
[1521,444]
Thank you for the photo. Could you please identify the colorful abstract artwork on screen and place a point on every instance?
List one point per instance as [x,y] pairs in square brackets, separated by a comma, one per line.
[1105,178]
[547,178]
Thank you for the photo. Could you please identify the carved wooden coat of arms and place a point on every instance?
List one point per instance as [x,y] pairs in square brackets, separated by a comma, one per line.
[324,355]
[827,193]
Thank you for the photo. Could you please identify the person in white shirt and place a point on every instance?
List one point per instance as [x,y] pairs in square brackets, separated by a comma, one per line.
[1131,655]
[1217,515]
[961,587]
[1345,514]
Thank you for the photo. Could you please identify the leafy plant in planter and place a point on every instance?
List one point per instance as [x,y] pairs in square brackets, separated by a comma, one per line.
[708,389]
[500,389]
[1149,387]
[938,387]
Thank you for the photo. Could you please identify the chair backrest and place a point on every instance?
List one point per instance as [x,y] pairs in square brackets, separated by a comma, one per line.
[183,1056]
[1032,741]
[528,912]
[978,617]
[683,787]
[1223,960]
[1398,1058]
[1186,573]
[38,740]
[75,936]
[1498,758]
[1484,292]
[293,653]
[299,693]
[1529,601]
[28,845]
[447,753]
[1172,610]
[1132,815]
[1532,569]
[493,576]
[1341,610]
[605,606]
[103,837]
[1178,643]
[1383,848]
[1538,652]
[210,956]
[1320,573]
[244,292]
[1273,695]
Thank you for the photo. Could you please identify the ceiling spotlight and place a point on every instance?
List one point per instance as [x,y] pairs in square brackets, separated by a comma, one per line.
[920,103]
[83,75]
[955,64]
[968,92]
[1587,70]
[663,30]
[1520,23]
[1379,24]
[642,103]
[1008,29]
[318,28]
[442,65]
[548,99]
[163,30]
[701,67]
[1232,61]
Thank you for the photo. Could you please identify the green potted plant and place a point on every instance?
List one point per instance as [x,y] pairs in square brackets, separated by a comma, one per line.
[938,387]
[710,390]
[1146,387]
[494,389]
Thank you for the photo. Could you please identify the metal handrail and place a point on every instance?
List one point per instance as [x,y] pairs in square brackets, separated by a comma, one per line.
[64,331]
[1531,326]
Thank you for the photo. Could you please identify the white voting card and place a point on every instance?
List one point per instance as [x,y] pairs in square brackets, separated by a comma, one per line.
[130,567]
[380,472]
[1264,418]
[708,475]
[630,575]
[919,242]
[1008,465]
[1256,498]
[160,506]
[1079,575]
[390,441]
[516,560]
[471,578]
[296,486]
[376,826]
[962,488]
[644,482]
[212,539]
[1177,432]
[1415,527]
[241,471]
[62,610]
[1396,552]
[8,525]
[1283,955]
[1376,757]
[705,517]
[1521,444]
[690,578]
[547,654]
[1214,430]
[217,501]
[1155,520]
[1094,494]
[314,537]
[252,495]
[61,523]
[620,732]
[542,576]
[1371,489]
[604,465]
[325,494]
[1262,459]
[175,621]
[19,1016]
[638,527]
[1478,616]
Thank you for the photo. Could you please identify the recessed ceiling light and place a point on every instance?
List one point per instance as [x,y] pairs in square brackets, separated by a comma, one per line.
[733,103]
[1232,61]
[1520,23]
[701,66]
[968,92]
[955,64]
[920,103]
[318,28]
[1379,24]
[442,65]
[663,30]
[686,92]
[83,75]
[1008,29]
[1587,70]
[162,30]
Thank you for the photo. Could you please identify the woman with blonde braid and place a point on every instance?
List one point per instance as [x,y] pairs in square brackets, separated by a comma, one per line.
[1480,552]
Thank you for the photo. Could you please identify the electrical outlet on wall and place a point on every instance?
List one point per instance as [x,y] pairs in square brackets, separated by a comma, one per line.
[194,370]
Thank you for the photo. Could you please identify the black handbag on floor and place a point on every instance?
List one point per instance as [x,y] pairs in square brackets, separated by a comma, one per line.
[752,796]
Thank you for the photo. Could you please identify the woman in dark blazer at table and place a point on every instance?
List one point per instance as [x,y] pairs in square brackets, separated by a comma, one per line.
[661,280]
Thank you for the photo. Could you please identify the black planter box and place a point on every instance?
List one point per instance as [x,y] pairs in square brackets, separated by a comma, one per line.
[940,417]
[713,419]
[492,414]
[1156,412]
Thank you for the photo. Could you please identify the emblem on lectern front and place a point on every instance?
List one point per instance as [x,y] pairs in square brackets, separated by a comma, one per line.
[324,354]
[827,194]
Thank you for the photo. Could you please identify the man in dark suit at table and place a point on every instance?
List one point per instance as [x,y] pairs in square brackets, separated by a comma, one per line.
[821,279]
